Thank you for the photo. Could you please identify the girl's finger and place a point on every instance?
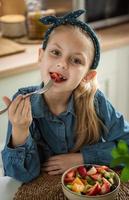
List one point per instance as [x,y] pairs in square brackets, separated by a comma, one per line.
[50,163]
[56,172]
[53,158]
[51,168]
[29,113]
[46,164]
[6,100]
[27,107]
[20,107]
[15,103]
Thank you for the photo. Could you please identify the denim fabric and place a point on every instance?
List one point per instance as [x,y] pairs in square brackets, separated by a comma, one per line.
[53,135]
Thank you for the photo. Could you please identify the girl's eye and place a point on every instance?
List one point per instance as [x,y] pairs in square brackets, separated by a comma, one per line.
[76,61]
[55,52]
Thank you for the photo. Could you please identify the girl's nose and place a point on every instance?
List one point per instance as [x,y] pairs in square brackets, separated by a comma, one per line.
[63,66]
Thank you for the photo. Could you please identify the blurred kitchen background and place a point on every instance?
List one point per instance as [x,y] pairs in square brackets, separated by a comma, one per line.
[21,36]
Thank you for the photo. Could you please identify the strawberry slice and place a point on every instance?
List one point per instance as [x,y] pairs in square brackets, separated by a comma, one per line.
[55,76]
[68,179]
[71,173]
[82,171]
[105,188]
[96,189]
[102,168]
[96,176]
[70,176]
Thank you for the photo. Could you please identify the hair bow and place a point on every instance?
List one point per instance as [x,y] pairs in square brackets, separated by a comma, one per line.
[60,20]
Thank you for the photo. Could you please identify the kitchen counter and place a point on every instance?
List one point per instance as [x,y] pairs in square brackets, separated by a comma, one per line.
[20,62]
[114,37]
[110,38]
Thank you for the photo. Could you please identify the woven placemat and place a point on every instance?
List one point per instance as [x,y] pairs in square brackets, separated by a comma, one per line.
[47,187]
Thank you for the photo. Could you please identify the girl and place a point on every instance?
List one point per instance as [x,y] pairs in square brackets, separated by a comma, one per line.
[73,122]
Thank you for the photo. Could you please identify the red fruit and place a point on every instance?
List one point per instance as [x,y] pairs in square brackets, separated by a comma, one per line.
[70,174]
[68,179]
[92,171]
[55,76]
[102,168]
[96,177]
[96,189]
[82,171]
[105,167]
[105,188]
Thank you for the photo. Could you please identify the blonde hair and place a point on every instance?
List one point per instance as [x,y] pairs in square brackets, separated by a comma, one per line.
[88,124]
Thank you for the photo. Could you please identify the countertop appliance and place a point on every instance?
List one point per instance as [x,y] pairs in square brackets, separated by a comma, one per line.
[100,13]
[104,13]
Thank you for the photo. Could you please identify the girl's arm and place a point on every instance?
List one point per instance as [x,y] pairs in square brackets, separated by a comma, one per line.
[21,162]
[20,154]
[117,127]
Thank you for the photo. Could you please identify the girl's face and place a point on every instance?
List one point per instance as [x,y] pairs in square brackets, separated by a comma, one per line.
[67,58]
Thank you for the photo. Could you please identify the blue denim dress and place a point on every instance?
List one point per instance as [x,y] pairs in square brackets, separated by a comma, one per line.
[54,135]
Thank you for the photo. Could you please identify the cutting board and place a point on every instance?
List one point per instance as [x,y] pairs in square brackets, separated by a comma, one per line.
[8,47]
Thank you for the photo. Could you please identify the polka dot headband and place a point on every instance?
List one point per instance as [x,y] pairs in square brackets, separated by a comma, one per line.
[71,18]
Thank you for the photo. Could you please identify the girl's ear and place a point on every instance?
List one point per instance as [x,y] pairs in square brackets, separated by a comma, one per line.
[41,53]
[90,75]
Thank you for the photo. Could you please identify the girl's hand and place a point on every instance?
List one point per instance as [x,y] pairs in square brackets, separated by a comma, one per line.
[20,117]
[58,164]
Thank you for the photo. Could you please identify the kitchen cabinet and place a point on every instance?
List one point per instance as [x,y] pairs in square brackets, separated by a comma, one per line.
[113,78]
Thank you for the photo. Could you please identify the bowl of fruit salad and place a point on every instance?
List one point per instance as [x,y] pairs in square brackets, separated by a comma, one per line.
[90,182]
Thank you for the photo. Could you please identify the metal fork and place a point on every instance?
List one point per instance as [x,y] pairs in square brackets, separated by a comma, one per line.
[40,91]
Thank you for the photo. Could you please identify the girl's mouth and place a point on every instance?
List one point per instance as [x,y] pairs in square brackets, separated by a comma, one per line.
[57,77]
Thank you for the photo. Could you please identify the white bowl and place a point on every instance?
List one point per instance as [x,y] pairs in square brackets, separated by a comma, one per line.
[13,26]
[75,196]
